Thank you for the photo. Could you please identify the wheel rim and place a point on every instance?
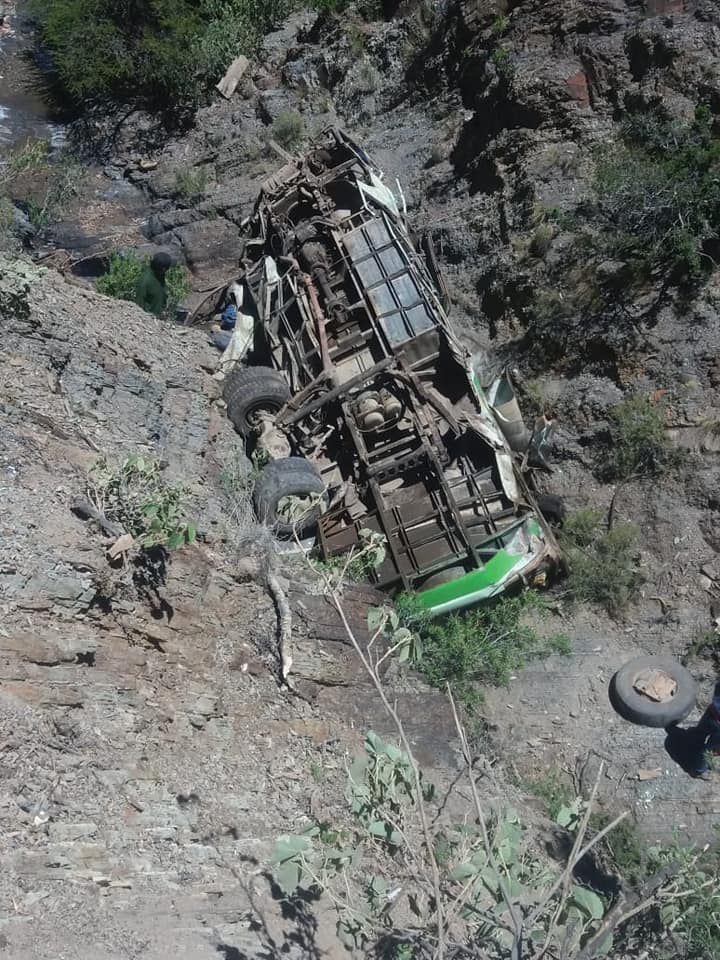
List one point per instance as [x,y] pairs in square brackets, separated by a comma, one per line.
[297,509]
[655,685]
[262,406]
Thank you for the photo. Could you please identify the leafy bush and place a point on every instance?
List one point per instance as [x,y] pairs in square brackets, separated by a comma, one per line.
[369,9]
[553,789]
[136,496]
[658,194]
[122,278]
[7,224]
[639,446]
[541,240]
[177,284]
[600,562]
[191,182]
[482,867]
[31,155]
[42,186]
[705,645]
[504,63]
[692,908]
[500,25]
[625,847]
[485,645]
[288,129]
[165,52]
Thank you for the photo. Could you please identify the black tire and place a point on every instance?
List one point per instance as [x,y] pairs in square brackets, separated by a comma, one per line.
[291,476]
[637,708]
[250,389]
[552,508]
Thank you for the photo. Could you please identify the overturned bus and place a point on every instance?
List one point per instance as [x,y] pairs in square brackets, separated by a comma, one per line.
[371,416]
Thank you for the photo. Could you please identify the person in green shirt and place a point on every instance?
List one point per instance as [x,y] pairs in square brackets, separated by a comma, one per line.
[151,292]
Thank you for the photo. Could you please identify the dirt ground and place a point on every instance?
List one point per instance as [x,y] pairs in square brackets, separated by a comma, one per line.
[148,758]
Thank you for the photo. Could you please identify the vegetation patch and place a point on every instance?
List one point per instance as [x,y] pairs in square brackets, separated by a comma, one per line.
[638,442]
[168,53]
[42,186]
[288,129]
[658,195]
[601,565]
[553,789]
[191,183]
[486,645]
[125,270]
[135,495]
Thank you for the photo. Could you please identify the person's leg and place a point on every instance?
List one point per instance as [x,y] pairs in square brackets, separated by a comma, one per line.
[704,731]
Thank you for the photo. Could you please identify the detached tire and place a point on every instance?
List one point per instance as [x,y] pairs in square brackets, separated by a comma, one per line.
[288,477]
[638,708]
[552,508]
[251,389]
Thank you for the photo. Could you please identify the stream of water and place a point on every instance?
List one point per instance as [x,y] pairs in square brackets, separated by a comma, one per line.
[25,110]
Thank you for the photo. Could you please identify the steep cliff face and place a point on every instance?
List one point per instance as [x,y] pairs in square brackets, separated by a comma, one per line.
[148,756]
[498,120]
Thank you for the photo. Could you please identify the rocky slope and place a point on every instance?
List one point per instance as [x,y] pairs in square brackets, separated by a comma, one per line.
[491,115]
[148,757]
[141,760]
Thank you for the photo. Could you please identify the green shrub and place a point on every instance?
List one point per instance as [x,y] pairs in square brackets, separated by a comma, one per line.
[177,284]
[368,9]
[658,194]
[500,25]
[504,63]
[553,789]
[191,182]
[625,847]
[7,224]
[122,278]
[288,129]
[541,240]
[44,187]
[692,908]
[485,645]
[705,645]
[600,562]
[31,155]
[135,495]
[167,52]
[164,53]
[639,446]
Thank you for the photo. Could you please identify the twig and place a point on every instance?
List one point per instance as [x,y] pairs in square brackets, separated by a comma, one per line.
[616,917]
[87,511]
[393,714]
[284,613]
[515,916]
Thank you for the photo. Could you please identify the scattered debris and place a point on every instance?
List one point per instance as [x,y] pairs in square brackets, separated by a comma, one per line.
[656,685]
[236,71]
[122,545]
[653,774]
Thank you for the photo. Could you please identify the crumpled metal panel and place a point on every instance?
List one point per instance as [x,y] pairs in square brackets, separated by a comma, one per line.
[391,288]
